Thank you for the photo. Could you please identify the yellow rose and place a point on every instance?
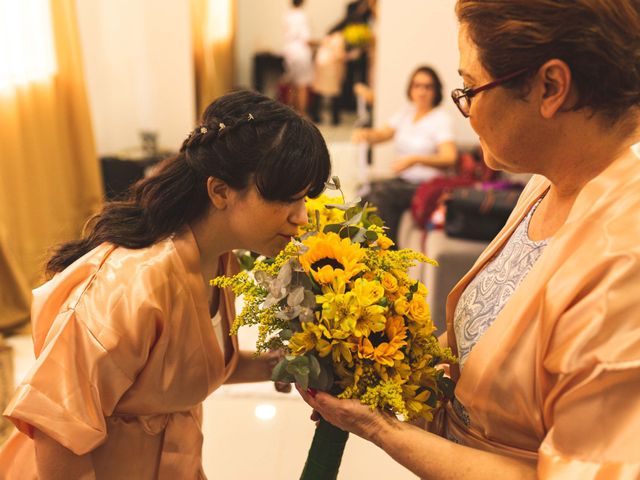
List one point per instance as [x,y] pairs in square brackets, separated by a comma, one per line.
[389,282]
[422,289]
[418,309]
[392,297]
[401,306]
[384,242]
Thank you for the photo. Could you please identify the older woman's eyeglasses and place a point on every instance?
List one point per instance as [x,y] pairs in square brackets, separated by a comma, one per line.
[462,96]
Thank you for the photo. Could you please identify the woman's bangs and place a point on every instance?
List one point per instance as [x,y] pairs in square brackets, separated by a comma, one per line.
[300,161]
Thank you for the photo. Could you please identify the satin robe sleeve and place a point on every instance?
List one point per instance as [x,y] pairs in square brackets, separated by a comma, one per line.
[91,356]
[594,355]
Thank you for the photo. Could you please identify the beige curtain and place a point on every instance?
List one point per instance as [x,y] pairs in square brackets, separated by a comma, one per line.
[213,30]
[49,174]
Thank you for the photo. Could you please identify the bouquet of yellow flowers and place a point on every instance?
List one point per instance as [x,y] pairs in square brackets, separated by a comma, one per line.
[339,302]
[357,34]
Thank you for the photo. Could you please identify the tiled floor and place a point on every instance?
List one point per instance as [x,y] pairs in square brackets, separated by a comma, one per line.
[253,432]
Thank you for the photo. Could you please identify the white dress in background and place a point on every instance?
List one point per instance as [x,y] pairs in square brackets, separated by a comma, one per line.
[296,51]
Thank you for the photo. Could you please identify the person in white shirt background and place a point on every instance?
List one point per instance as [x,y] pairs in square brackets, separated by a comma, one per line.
[297,55]
[423,137]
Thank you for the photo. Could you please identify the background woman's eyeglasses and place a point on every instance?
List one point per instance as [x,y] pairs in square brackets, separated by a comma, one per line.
[462,96]
[423,86]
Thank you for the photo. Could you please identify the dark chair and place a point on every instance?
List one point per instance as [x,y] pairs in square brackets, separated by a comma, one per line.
[119,174]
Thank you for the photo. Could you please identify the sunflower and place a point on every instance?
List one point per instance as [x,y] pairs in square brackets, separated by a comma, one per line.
[329,257]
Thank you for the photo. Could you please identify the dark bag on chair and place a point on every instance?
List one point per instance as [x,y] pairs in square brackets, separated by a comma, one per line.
[478,213]
[429,194]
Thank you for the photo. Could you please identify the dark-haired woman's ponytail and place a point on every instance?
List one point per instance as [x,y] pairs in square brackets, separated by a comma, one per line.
[156,207]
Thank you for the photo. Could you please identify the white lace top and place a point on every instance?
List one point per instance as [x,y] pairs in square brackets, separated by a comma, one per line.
[487,294]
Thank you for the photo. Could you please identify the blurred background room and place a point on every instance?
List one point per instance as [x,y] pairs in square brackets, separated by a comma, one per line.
[93,93]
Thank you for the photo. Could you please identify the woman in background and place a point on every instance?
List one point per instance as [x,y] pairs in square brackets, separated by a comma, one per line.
[129,336]
[546,324]
[329,74]
[423,138]
[298,64]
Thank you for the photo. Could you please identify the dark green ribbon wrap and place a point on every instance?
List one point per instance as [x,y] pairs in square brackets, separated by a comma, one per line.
[325,453]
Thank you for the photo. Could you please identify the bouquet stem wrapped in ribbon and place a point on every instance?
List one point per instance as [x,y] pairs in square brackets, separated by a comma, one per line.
[325,453]
[352,322]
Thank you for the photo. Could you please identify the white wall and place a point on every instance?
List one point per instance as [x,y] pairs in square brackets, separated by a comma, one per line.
[410,33]
[259,28]
[139,70]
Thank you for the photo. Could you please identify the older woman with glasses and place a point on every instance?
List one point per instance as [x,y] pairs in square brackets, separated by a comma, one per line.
[546,325]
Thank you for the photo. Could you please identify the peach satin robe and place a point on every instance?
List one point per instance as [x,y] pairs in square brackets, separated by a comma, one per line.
[555,380]
[126,354]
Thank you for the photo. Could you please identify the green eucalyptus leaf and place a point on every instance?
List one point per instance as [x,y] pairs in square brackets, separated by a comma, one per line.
[324,381]
[359,236]
[349,231]
[339,206]
[246,261]
[286,334]
[302,379]
[332,227]
[354,219]
[298,369]
[371,235]
[376,220]
[279,371]
[301,360]
[314,366]
[352,211]
[298,366]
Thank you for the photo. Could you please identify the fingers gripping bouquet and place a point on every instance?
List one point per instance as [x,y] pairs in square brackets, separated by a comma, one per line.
[350,319]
